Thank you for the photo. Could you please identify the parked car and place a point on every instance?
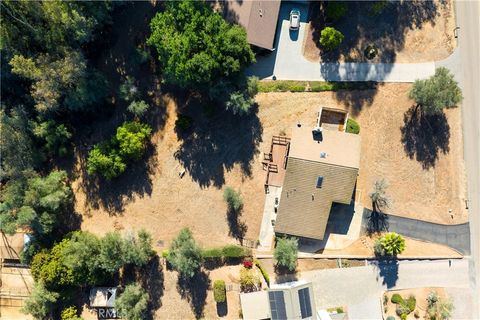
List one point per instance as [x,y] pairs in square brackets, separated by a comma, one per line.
[294,19]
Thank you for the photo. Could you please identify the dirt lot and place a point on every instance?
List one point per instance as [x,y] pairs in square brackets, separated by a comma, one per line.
[364,246]
[420,294]
[408,31]
[425,172]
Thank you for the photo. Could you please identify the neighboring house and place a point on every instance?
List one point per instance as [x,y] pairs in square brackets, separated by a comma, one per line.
[259,18]
[291,300]
[12,246]
[322,168]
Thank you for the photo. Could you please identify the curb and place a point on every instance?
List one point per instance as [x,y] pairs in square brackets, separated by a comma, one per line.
[360,257]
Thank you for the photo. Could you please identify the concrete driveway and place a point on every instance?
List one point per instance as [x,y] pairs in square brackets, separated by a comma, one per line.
[288,63]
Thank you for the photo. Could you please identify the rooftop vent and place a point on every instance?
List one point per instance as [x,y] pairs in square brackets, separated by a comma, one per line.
[319,181]
[323,155]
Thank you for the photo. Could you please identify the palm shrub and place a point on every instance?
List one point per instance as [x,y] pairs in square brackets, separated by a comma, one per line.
[392,243]
[378,195]
[330,38]
[434,94]
[285,253]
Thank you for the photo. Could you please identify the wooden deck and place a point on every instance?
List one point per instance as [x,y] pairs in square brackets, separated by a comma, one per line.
[275,161]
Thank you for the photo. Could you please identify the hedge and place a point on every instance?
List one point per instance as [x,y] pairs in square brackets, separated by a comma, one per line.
[315,86]
[263,271]
[352,126]
[228,251]
[219,293]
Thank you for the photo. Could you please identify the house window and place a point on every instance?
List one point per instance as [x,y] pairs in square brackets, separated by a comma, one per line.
[304,300]
[319,181]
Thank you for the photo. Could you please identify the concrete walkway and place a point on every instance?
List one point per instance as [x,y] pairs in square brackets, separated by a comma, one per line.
[454,236]
[288,63]
[361,288]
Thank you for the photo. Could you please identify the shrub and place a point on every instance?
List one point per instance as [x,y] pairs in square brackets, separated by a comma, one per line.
[390,318]
[403,316]
[183,122]
[297,88]
[397,299]
[252,86]
[248,280]
[131,138]
[185,256]
[377,7]
[285,253]
[128,89]
[219,293]
[353,126]
[233,199]
[70,313]
[330,38]
[133,302]
[138,108]
[247,264]
[104,160]
[165,253]
[411,303]
[336,10]
[263,271]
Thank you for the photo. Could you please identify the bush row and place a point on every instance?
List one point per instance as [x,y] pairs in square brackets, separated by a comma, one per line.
[226,252]
[315,86]
[263,271]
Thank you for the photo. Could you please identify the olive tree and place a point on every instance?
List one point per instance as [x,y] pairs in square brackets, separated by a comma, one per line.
[185,255]
[285,253]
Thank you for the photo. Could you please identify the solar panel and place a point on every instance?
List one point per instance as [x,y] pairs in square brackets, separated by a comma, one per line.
[304,300]
[277,305]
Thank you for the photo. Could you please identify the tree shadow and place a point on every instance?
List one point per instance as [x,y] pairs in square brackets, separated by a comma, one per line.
[195,291]
[376,221]
[388,271]
[237,228]
[424,136]
[152,280]
[218,143]
[386,30]
[356,99]
[222,308]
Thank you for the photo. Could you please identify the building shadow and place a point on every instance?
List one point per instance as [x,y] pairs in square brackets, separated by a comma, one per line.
[282,274]
[195,291]
[218,143]
[424,136]
[387,271]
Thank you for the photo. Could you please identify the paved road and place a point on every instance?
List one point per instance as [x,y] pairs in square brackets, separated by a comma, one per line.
[454,236]
[288,63]
[468,19]
[360,288]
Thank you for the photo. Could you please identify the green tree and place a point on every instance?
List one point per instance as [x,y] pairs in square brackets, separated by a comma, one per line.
[132,304]
[48,267]
[379,196]
[104,160]
[285,253]
[238,103]
[70,313]
[185,255]
[128,90]
[138,108]
[330,38]
[336,10]
[55,136]
[233,199]
[392,243]
[252,86]
[138,249]
[132,138]
[40,302]
[17,150]
[434,94]
[201,47]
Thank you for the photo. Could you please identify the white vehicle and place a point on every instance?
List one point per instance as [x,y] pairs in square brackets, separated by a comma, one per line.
[294,19]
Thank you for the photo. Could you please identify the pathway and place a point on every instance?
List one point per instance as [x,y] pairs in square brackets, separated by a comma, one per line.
[288,63]
[361,288]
